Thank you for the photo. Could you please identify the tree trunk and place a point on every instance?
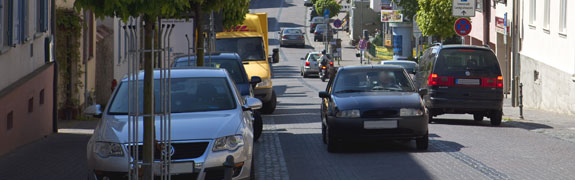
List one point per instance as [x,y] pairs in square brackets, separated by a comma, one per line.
[200,43]
[148,143]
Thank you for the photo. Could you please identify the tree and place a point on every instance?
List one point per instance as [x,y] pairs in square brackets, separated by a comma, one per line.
[410,8]
[434,18]
[233,12]
[321,5]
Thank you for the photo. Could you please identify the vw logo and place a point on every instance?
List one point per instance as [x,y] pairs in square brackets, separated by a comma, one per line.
[171,149]
[467,73]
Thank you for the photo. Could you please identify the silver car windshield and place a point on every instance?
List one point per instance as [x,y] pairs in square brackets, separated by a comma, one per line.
[372,80]
[188,95]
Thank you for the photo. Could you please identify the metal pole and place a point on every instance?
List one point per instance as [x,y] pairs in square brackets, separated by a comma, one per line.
[189,55]
[515,51]
[486,20]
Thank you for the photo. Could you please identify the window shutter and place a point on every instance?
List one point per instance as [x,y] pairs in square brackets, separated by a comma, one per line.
[45,14]
[16,22]
[23,20]
[2,23]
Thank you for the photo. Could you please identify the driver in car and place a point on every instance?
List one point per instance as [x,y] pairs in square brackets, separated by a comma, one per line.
[386,81]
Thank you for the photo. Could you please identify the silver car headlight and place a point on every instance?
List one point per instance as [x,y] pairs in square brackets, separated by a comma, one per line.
[264,83]
[354,113]
[108,149]
[410,112]
[229,143]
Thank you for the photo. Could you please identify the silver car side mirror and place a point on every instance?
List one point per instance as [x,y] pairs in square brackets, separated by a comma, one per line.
[252,104]
[93,110]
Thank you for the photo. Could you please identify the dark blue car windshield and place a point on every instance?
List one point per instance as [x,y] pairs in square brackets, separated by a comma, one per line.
[372,80]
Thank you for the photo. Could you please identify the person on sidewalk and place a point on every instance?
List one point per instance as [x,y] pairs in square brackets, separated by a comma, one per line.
[362,46]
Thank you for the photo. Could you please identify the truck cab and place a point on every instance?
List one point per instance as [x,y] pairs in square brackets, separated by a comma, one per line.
[250,41]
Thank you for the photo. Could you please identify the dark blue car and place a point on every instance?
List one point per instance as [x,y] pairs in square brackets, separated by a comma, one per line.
[233,64]
[371,103]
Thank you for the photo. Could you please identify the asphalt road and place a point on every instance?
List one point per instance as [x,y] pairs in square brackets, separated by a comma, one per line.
[460,148]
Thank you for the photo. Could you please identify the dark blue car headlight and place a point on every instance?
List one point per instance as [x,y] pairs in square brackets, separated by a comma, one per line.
[353,113]
[410,112]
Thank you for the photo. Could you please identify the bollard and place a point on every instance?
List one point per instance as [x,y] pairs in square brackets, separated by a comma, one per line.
[521,100]
[228,167]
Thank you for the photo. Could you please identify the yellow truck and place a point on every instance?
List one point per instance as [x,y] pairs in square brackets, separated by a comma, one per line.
[250,41]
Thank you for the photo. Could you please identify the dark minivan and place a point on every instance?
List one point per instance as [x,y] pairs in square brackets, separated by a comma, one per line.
[462,79]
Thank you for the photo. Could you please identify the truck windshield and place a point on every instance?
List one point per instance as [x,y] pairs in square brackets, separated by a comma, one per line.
[249,49]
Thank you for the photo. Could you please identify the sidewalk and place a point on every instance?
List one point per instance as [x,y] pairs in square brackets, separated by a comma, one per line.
[553,124]
[57,156]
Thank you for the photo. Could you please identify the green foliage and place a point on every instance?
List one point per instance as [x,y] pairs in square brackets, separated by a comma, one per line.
[434,18]
[410,8]
[67,51]
[332,5]
[235,12]
[126,8]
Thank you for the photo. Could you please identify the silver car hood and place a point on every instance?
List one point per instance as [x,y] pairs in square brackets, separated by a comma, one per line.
[185,126]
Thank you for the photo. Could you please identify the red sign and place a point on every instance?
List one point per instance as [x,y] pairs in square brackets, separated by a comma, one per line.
[462,26]
[500,25]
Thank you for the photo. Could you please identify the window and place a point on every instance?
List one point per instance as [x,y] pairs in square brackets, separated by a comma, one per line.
[23,20]
[10,120]
[41,16]
[7,21]
[532,12]
[546,15]
[41,96]
[563,17]
[31,105]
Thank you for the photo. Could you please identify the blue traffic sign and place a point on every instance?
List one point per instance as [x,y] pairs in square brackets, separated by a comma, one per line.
[462,26]
[326,12]
[337,23]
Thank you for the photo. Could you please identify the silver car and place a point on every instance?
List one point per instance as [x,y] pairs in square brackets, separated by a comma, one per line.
[292,36]
[409,66]
[209,122]
[309,64]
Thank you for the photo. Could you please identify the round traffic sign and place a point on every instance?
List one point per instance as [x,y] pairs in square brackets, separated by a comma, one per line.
[462,26]
[337,23]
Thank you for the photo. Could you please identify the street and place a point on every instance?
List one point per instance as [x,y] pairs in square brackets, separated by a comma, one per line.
[291,147]
[460,148]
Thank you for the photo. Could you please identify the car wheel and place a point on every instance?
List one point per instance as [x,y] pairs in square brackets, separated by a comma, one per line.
[258,125]
[270,106]
[478,117]
[323,128]
[332,145]
[301,73]
[423,142]
[496,118]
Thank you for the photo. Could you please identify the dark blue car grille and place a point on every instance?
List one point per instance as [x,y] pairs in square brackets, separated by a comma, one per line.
[380,113]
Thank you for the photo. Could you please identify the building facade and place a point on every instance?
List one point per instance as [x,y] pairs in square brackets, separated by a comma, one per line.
[26,71]
[547,55]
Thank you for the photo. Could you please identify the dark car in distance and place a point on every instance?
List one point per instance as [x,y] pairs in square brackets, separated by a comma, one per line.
[232,63]
[372,103]
[462,79]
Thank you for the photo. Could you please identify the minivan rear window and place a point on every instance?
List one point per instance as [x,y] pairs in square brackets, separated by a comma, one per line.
[456,62]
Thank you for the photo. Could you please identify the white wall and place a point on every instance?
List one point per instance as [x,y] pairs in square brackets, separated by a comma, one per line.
[548,60]
[550,47]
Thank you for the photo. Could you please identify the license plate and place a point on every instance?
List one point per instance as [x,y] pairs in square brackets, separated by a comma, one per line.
[468,81]
[380,124]
[176,168]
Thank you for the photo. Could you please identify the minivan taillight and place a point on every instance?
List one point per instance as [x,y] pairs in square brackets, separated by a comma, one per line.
[492,82]
[284,37]
[307,63]
[435,80]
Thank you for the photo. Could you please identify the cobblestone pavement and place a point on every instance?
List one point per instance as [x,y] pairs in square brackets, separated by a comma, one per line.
[460,148]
